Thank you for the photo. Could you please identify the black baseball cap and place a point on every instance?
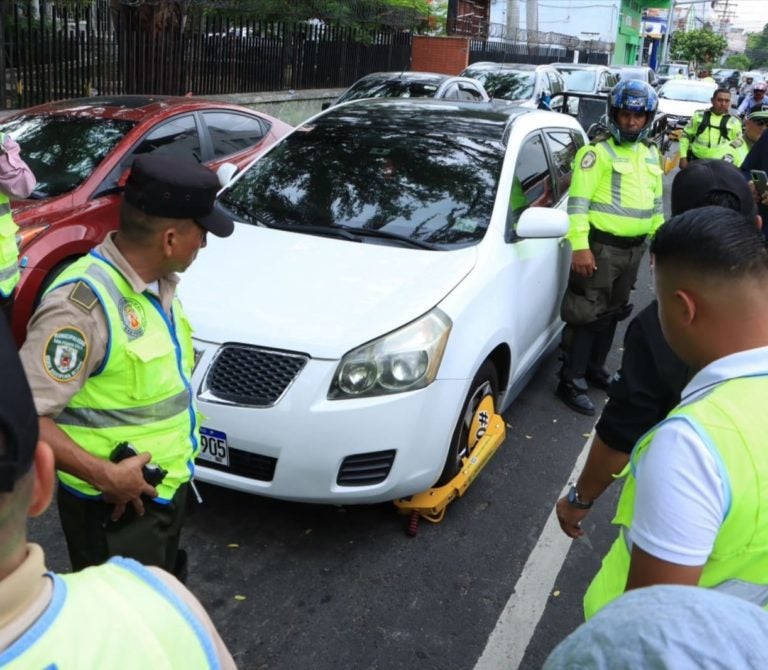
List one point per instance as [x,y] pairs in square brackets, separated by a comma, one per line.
[18,416]
[177,188]
[692,186]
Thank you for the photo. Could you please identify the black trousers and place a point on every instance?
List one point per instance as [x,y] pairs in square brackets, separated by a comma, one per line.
[92,537]
[6,306]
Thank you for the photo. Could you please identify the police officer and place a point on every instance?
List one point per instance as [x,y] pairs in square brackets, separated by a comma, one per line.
[117,615]
[615,202]
[694,508]
[708,129]
[109,358]
[16,181]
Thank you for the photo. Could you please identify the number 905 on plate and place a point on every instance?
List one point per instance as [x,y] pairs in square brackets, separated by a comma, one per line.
[213,446]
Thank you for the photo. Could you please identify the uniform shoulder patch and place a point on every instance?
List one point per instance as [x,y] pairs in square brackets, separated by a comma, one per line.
[737,143]
[83,296]
[588,160]
[65,354]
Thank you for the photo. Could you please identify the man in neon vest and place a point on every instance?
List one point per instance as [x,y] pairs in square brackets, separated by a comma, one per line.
[694,508]
[614,204]
[117,615]
[109,358]
[708,129]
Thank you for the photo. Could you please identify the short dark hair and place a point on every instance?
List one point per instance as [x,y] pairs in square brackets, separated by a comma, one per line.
[712,241]
[721,90]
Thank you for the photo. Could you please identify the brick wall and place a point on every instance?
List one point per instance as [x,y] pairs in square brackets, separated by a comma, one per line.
[449,55]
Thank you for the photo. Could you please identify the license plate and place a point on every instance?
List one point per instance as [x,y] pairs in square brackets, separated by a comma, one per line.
[213,446]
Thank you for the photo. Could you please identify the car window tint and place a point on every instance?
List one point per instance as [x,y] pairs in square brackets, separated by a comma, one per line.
[555,84]
[452,92]
[63,151]
[579,80]
[433,181]
[467,92]
[562,149]
[231,132]
[394,88]
[176,137]
[506,85]
[532,182]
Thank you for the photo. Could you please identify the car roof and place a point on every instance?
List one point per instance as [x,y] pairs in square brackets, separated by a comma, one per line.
[690,83]
[505,66]
[445,117]
[579,66]
[129,107]
[433,77]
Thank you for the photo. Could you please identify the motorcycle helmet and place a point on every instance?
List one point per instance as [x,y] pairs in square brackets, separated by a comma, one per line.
[632,95]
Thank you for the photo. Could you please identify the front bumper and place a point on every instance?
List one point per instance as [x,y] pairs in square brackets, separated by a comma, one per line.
[308,448]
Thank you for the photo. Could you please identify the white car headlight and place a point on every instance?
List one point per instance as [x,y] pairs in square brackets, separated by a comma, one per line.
[404,360]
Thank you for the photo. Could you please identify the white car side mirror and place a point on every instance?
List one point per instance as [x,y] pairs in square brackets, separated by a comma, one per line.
[539,222]
[225,173]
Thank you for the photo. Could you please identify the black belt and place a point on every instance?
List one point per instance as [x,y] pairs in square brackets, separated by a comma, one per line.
[596,235]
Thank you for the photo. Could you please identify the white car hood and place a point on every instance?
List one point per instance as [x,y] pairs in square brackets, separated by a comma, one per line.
[317,295]
[680,107]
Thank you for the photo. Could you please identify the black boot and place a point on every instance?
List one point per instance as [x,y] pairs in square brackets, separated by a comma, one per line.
[572,389]
[573,392]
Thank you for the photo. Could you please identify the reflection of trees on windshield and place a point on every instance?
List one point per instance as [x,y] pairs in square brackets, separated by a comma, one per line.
[430,175]
[63,151]
[505,85]
[391,89]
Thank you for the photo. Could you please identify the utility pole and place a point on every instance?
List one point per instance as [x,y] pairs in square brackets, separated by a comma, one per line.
[513,18]
[531,17]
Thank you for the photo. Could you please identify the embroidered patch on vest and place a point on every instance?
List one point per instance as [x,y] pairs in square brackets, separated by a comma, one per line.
[589,160]
[65,354]
[132,316]
[83,296]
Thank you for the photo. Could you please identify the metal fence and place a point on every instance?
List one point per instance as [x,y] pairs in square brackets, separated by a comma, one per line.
[72,51]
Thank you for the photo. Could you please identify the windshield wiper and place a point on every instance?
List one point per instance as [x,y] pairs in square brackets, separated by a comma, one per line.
[385,234]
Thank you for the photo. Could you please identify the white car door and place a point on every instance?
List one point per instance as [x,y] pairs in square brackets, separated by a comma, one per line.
[534,267]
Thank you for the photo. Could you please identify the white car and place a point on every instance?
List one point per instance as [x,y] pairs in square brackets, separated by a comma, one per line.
[395,263]
[680,98]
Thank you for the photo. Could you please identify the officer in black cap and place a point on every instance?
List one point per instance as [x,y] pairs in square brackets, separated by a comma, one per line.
[34,617]
[109,358]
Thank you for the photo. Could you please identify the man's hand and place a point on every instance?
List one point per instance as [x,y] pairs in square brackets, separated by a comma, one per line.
[124,483]
[570,518]
[583,262]
[683,163]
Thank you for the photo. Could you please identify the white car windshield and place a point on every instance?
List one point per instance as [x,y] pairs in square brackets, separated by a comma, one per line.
[582,81]
[673,91]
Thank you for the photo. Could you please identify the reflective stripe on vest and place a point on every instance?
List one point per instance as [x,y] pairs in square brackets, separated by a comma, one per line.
[118,616]
[614,208]
[141,394]
[732,423]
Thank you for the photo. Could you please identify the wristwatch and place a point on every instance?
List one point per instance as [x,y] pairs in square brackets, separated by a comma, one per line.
[575,501]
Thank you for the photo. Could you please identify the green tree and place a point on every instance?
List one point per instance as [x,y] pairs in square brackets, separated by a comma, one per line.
[700,46]
[738,62]
[757,47]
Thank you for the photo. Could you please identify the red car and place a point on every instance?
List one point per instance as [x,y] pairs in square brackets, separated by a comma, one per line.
[80,151]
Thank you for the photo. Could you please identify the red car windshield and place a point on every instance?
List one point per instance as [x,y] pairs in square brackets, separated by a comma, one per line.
[63,151]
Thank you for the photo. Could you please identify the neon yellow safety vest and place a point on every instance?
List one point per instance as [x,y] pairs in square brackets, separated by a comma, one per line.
[141,393]
[732,422]
[616,188]
[118,616]
[734,152]
[705,144]
[9,249]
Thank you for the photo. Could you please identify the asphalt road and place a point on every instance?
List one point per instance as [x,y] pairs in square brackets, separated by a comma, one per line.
[294,586]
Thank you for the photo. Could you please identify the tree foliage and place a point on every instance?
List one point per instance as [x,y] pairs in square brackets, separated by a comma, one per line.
[738,62]
[700,46]
[757,48]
